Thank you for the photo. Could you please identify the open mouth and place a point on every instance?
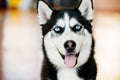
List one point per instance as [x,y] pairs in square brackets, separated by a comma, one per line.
[70,59]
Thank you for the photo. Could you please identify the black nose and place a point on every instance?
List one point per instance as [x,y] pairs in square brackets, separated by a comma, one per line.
[70,45]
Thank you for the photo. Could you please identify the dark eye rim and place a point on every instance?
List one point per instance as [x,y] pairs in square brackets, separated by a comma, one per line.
[74,28]
[60,31]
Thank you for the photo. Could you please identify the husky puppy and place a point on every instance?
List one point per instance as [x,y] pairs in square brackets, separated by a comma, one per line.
[68,44]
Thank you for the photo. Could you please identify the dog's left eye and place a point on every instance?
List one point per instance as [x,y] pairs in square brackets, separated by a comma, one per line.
[58,29]
[77,27]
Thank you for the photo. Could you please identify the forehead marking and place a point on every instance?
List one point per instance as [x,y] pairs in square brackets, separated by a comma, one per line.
[66,19]
[60,23]
[73,22]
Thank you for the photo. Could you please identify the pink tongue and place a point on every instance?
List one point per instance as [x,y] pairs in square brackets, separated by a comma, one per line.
[70,60]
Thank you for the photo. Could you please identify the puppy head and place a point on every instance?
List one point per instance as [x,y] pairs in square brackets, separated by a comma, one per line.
[66,35]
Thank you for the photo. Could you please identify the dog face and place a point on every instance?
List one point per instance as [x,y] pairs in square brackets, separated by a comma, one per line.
[66,35]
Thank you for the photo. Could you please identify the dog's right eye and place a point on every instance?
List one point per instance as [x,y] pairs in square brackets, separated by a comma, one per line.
[58,29]
[77,28]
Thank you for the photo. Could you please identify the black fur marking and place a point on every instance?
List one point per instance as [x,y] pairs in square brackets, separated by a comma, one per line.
[49,25]
[49,71]
[76,14]
[57,14]
[89,69]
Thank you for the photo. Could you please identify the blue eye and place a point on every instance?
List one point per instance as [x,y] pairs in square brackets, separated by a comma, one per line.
[77,27]
[58,29]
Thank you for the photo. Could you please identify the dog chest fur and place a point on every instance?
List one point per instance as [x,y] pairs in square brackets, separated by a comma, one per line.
[68,74]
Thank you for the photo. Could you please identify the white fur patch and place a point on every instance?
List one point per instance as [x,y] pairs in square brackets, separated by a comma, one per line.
[67,20]
[60,23]
[73,22]
[85,49]
[68,74]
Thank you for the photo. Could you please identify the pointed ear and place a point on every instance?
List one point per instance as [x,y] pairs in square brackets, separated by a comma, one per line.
[86,9]
[44,12]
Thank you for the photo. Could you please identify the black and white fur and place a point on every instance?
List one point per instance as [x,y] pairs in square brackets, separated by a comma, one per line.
[71,26]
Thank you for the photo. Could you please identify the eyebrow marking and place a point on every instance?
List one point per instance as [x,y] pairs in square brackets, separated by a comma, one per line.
[73,22]
[60,23]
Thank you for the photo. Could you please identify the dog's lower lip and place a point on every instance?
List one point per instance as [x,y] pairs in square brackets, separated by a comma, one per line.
[63,56]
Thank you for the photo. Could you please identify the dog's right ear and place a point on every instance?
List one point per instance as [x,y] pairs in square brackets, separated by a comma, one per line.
[44,12]
[86,9]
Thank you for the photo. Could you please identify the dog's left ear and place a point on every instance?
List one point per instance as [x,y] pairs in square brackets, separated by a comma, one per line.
[44,12]
[86,9]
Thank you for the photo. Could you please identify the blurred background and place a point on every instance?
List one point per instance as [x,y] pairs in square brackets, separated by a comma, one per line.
[20,38]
